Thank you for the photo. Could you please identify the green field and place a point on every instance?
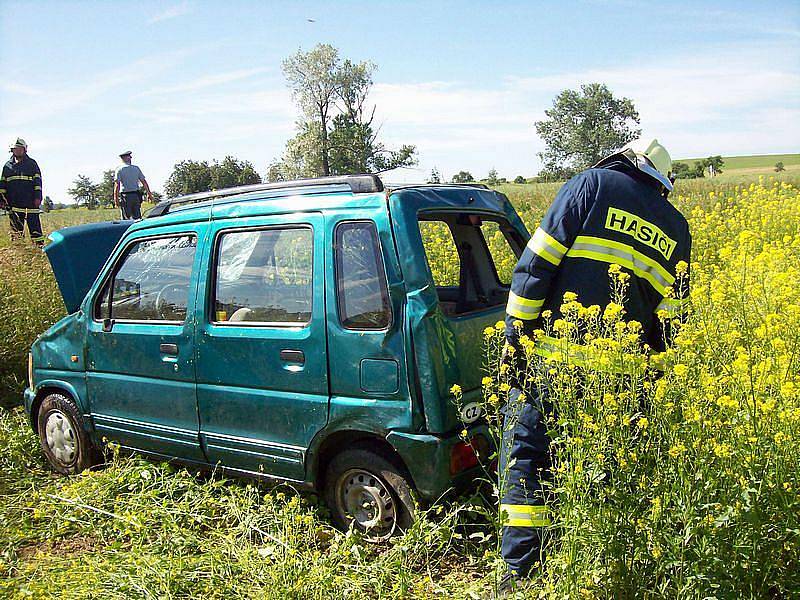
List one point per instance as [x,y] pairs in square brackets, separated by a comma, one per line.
[740,169]
[756,161]
[703,502]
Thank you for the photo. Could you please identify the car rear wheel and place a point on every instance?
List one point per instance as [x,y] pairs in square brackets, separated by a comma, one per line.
[368,492]
[64,442]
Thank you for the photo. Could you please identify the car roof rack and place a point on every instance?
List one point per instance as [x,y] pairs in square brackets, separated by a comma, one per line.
[358,184]
[403,186]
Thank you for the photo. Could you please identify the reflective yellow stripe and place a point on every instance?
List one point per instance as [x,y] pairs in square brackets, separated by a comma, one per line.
[19,178]
[25,211]
[523,308]
[37,175]
[674,307]
[547,247]
[524,515]
[590,357]
[609,251]
[37,187]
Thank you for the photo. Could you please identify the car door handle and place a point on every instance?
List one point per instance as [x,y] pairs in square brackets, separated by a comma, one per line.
[170,349]
[293,356]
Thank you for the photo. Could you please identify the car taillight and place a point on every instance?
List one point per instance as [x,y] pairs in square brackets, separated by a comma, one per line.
[468,454]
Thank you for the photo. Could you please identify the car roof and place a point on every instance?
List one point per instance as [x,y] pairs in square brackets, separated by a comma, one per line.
[323,193]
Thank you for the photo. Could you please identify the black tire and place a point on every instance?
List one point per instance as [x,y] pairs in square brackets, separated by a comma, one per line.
[384,487]
[65,443]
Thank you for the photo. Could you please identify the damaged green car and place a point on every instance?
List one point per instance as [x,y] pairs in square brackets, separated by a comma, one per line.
[290,331]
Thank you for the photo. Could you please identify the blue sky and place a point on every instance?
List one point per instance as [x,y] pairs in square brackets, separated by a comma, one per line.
[464,81]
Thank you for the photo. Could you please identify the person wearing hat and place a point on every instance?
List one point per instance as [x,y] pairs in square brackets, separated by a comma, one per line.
[21,192]
[616,214]
[128,176]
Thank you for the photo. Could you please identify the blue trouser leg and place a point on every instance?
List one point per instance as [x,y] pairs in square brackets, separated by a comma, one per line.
[524,461]
[35,227]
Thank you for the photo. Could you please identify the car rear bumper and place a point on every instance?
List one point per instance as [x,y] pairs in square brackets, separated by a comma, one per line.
[427,458]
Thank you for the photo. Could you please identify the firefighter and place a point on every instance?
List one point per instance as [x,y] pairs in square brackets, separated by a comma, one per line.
[128,177]
[21,192]
[615,213]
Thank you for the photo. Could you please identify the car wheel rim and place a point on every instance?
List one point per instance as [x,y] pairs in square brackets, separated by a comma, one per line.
[61,438]
[367,501]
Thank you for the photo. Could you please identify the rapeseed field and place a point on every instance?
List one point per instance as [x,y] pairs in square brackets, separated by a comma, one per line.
[681,485]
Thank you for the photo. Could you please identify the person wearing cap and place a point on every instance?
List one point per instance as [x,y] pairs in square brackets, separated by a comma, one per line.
[21,192]
[616,213]
[128,177]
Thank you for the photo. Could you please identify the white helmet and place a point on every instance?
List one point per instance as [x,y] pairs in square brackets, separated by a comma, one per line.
[649,157]
[19,143]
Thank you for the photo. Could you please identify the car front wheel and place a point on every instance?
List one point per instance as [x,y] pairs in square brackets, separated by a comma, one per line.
[365,490]
[64,442]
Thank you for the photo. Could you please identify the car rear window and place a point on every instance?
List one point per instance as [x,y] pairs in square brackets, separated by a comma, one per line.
[361,289]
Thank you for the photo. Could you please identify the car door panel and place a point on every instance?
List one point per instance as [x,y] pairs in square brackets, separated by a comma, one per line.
[263,385]
[140,375]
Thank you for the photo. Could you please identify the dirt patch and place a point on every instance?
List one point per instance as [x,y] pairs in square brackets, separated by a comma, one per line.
[71,546]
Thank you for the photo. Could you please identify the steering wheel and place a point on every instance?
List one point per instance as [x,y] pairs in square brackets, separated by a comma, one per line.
[160,303]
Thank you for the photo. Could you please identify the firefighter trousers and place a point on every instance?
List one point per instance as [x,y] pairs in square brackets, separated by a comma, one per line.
[20,216]
[524,465]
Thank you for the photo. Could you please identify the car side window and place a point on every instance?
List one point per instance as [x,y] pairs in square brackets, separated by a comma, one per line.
[361,290]
[264,277]
[152,281]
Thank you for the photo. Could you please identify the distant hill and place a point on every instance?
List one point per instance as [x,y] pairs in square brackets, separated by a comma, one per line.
[756,161]
[738,169]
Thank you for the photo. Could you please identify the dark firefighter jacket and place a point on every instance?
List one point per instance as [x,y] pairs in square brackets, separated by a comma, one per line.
[605,216]
[21,183]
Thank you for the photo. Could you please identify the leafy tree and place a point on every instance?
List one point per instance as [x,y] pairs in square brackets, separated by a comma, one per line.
[188,177]
[714,165]
[699,169]
[314,80]
[275,171]
[106,188]
[191,176]
[779,167]
[435,177]
[85,191]
[682,171]
[584,126]
[491,179]
[463,177]
[232,173]
[519,179]
[336,134]
[555,174]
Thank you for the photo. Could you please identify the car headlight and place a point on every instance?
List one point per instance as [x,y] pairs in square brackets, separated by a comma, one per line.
[30,370]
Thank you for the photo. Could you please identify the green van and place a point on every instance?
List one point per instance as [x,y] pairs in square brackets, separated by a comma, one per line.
[291,331]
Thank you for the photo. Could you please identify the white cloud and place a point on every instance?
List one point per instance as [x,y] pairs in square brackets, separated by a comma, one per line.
[172,12]
[206,81]
[729,101]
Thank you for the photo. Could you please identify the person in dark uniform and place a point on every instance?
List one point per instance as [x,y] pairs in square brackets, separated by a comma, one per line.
[128,177]
[21,192]
[615,213]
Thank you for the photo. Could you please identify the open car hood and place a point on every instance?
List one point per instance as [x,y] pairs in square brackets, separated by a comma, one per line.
[77,254]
